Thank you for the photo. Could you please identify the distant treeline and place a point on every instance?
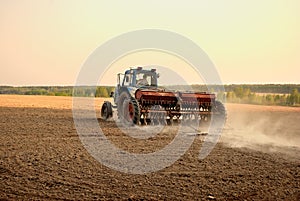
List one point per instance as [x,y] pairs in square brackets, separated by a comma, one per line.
[266,94]
[265,88]
[245,95]
[256,88]
[84,91]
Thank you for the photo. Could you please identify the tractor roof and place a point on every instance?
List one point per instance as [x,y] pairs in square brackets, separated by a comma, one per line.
[140,70]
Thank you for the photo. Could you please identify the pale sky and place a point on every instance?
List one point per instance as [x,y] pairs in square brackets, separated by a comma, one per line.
[45,42]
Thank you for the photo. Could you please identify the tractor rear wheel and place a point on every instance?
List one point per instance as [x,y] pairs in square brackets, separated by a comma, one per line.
[128,109]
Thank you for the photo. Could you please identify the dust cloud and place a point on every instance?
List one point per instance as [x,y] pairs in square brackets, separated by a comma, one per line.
[262,128]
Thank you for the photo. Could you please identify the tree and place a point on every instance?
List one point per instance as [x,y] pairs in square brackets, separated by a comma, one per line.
[101,92]
[251,98]
[239,92]
[294,97]
[230,96]
[270,99]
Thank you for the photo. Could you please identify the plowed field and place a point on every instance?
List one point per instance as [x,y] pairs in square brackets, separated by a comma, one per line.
[42,157]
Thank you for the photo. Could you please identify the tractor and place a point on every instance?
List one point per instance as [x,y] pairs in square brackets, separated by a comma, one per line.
[140,101]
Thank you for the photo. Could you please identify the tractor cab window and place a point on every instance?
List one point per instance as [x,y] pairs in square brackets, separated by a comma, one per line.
[143,79]
[146,79]
[127,79]
[120,79]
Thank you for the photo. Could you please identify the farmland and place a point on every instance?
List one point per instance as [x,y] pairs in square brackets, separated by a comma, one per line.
[42,157]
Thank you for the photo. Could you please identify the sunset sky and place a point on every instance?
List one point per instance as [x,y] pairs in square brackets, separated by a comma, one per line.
[45,42]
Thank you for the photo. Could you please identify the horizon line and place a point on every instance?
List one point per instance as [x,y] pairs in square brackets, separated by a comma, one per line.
[87,85]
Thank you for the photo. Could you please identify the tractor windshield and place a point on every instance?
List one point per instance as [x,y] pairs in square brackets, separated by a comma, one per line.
[146,79]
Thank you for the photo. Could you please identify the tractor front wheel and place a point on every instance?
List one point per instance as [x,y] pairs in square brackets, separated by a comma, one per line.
[106,110]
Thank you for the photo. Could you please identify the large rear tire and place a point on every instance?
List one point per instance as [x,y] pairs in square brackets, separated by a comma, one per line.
[128,109]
